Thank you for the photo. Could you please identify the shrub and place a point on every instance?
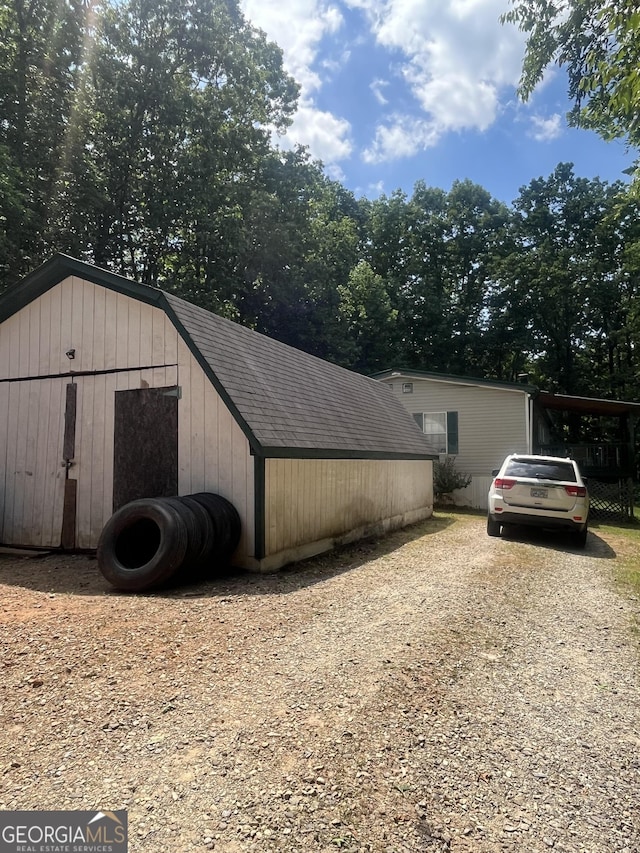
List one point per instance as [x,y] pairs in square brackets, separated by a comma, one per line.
[447,478]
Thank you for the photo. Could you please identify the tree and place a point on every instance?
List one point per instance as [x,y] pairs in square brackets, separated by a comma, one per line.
[436,253]
[405,248]
[173,121]
[300,241]
[476,230]
[561,277]
[132,135]
[369,321]
[40,54]
[598,43]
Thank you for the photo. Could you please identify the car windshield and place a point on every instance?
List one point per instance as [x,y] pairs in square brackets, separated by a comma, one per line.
[538,469]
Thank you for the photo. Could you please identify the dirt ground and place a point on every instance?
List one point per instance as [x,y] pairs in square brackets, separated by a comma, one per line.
[435,690]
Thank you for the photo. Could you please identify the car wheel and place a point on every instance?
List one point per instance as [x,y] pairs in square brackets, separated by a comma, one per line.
[580,538]
[493,527]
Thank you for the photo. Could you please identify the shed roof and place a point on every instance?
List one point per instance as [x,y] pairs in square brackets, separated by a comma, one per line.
[288,403]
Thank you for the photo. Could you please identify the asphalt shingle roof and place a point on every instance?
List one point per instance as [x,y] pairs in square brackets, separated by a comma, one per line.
[285,399]
[290,399]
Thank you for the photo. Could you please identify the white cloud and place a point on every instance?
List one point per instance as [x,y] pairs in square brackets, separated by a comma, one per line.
[327,136]
[457,60]
[403,136]
[335,65]
[377,87]
[375,190]
[299,27]
[449,65]
[546,129]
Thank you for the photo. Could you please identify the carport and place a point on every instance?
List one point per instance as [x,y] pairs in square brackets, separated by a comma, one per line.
[609,461]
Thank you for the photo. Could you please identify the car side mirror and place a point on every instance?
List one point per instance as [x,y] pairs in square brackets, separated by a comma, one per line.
[495,472]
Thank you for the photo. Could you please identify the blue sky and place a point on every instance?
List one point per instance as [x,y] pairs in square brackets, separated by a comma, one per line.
[396,91]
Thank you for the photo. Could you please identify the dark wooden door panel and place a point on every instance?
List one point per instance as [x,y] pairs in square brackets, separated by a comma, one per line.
[145,463]
[69,443]
[70,501]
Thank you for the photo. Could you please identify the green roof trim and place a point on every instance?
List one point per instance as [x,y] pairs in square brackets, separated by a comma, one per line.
[61,266]
[305,453]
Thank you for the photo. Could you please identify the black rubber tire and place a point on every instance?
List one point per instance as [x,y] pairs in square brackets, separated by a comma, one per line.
[195,534]
[580,538]
[142,545]
[227,525]
[493,527]
[202,560]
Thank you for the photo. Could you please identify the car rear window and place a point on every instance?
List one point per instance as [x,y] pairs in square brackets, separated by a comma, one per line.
[539,469]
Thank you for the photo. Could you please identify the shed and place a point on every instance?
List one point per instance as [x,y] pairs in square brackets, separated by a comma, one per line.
[111,390]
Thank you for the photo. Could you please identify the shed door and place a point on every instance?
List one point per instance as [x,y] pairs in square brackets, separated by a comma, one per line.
[32,472]
[145,451]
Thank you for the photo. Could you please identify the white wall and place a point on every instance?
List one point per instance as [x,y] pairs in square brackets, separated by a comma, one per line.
[31,476]
[492,422]
[312,504]
[109,331]
[475,495]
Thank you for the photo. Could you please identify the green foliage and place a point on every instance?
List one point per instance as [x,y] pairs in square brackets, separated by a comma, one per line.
[138,129]
[437,252]
[369,320]
[40,50]
[597,42]
[447,478]
[136,135]
[563,285]
[627,568]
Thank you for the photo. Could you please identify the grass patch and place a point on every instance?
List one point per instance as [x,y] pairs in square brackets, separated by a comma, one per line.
[628,564]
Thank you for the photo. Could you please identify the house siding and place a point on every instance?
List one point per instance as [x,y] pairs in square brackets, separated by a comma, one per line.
[312,503]
[109,332]
[492,422]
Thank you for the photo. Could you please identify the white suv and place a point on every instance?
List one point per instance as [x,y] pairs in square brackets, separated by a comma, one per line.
[543,491]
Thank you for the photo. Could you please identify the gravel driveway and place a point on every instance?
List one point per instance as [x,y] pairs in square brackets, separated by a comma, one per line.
[435,691]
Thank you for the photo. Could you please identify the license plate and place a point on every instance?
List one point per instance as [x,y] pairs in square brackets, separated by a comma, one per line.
[539,493]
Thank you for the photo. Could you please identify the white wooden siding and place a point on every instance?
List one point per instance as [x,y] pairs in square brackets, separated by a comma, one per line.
[475,495]
[309,500]
[109,331]
[492,422]
[31,476]
[213,452]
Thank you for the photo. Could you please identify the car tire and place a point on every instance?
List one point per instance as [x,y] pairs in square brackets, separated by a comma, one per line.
[197,569]
[580,538]
[493,527]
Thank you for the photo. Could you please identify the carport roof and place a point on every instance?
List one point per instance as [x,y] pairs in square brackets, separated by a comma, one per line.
[287,402]
[587,405]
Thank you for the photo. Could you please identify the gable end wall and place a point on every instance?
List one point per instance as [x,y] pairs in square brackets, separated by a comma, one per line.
[127,344]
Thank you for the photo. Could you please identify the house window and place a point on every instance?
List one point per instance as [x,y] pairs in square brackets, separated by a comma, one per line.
[441,428]
[407,387]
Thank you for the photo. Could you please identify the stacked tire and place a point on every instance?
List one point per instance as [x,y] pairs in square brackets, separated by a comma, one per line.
[154,542]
